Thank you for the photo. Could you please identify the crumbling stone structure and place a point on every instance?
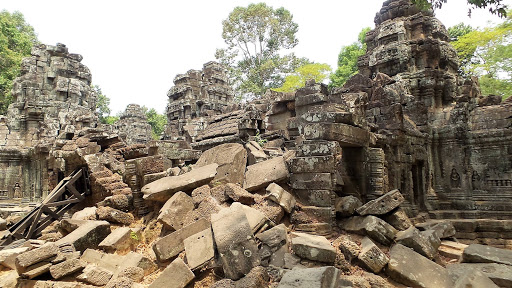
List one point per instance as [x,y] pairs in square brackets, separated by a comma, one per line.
[133,127]
[196,94]
[52,100]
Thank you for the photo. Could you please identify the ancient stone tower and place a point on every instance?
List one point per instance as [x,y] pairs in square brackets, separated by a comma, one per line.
[133,127]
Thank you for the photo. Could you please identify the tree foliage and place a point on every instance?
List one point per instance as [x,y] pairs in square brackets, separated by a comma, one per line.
[16,40]
[317,71]
[102,106]
[347,60]
[256,36]
[487,53]
[459,30]
[156,120]
[494,6]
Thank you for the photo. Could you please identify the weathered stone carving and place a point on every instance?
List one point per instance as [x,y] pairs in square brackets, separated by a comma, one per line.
[133,126]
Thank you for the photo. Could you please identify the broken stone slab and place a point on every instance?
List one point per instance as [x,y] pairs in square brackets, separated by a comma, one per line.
[162,189]
[443,229]
[66,268]
[8,256]
[451,249]
[9,279]
[95,275]
[88,213]
[474,279]
[37,269]
[477,253]
[114,263]
[255,154]
[371,256]
[238,194]
[500,274]
[383,204]
[410,268]
[67,226]
[199,248]
[310,277]
[175,275]
[282,197]
[87,236]
[259,175]
[274,238]
[29,258]
[412,238]
[374,227]
[398,219]
[119,240]
[256,278]
[119,282]
[114,216]
[313,247]
[255,217]
[231,158]
[136,274]
[346,206]
[348,248]
[172,244]
[3,224]
[120,202]
[175,210]
[235,242]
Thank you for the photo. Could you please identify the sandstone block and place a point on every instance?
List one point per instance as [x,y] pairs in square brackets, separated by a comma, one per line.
[346,206]
[8,256]
[115,216]
[261,174]
[312,181]
[371,256]
[383,204]
[67,226]
[172,244]
[500,274]
[235,242]
[199,248]
[238,194]
[66,268]
[231,158]
[474,279]
[176,275]
[88,213]
[29,258]
[119,240]
[281,197]
[398,219]
[136,274]
[478,253]
[255,217]
[410,268]
[37,269]
[312,247]
[87,236]
[162,189]
[318,148]
[319,164]
[346,135]
[95,275]
[412,238]
[349,248]
[310,277]
[374,227]
[175,210]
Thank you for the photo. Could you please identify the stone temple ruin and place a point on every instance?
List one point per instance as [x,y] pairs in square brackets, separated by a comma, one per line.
[401,177]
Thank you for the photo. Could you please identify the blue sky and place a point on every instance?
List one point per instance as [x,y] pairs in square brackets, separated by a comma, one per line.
[135,48]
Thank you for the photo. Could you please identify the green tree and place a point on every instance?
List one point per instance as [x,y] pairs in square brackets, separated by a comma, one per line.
[347,60]
[102,106]
[318,72]
[459,30]
[256,36]
[487,53]
[494,6]
[16,40]
[156,120]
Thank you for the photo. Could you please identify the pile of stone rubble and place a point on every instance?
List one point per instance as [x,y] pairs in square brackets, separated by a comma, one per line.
[222,224]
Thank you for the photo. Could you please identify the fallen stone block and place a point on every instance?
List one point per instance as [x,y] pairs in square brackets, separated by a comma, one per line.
[200,193]
[412,238]
[451,249]
[238,194]
[410,268]
[500,274]
[348,248]
[119,282]
[474,279]
[95,275]
[312,247]
[255,217]
[67,226]
[477,253]
[115,263]
[382,205]
[371,256]
[120,202]
[114,216]
[443,229]
[273,211]
[256,154]
[274,245]
[199,248]
[29,258]
[119,240]
[162,189]
[136,274]
[35,270]
[87,236]
[231,158]
[175,210]
[256,278]
[259,175]
[374,227]
[66,268]
[9,279]
[398,219]
[172,244]
[8,256]
[88,213]
[176,275]
[235,242]
[346,206]
[282,197]
[310,277]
